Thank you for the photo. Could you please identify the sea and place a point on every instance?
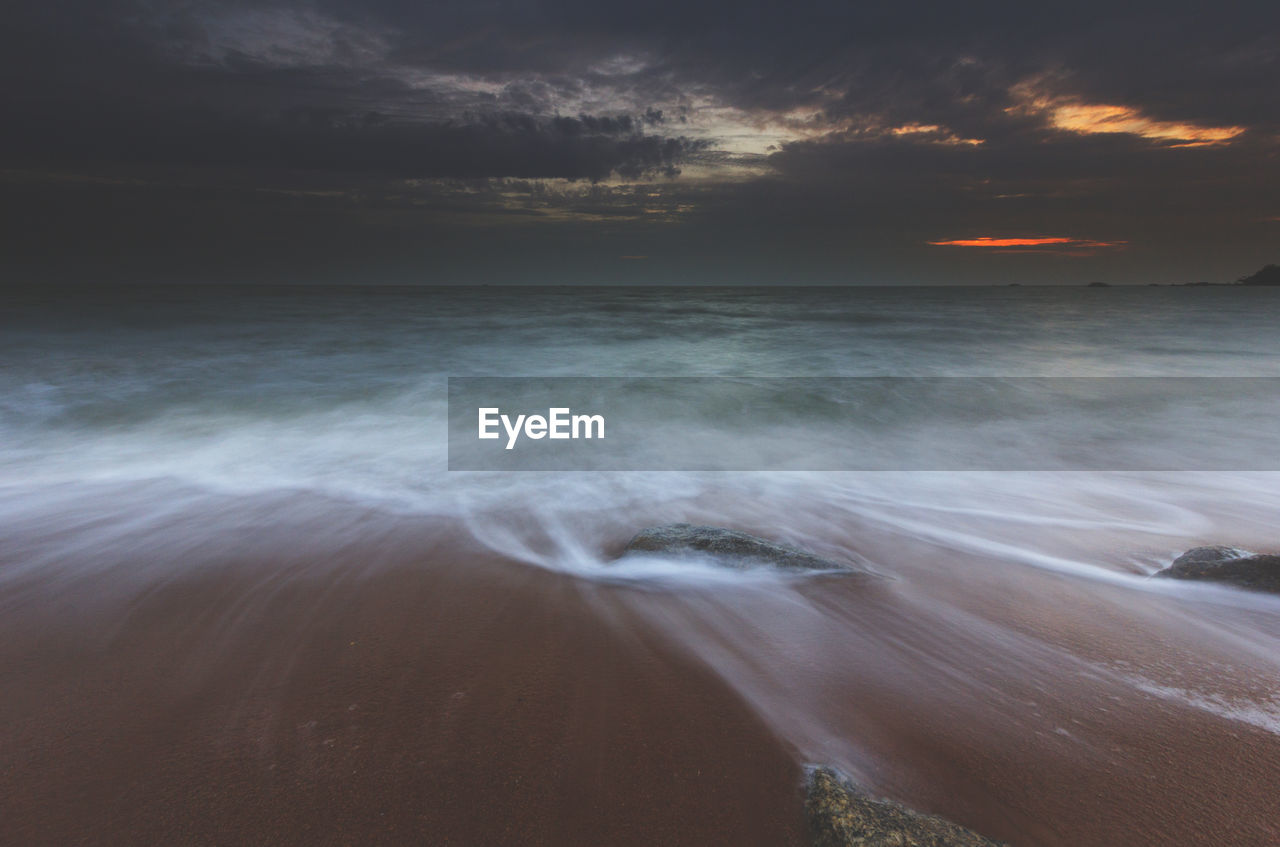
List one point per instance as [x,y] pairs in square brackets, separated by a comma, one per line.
[152,433]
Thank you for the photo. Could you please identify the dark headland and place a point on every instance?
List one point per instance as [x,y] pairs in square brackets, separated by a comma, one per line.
[1265,276]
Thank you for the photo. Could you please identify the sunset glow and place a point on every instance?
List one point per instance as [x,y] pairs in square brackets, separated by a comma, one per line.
[1098,118]
[935,133]
[1085,118]
[1059,245]
[1001,242]
[451,143]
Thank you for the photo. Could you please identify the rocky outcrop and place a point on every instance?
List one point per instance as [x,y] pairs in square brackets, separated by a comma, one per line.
[841,816]
[1269,275]
[728,547]
[1231,565]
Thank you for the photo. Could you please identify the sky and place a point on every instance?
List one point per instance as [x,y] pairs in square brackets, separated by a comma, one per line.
[665,142]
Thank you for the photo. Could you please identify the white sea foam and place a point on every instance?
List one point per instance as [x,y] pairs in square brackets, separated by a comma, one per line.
[141,439]
[343,394]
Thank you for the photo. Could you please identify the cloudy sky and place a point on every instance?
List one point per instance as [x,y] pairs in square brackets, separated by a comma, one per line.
[584,141]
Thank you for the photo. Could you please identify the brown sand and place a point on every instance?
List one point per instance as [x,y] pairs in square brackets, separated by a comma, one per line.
[461,702]
[429,694]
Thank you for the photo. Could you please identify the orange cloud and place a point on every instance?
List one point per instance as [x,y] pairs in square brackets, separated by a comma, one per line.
[934,133]
[1092,119]
[1002,242]
[1072,115]
[1058,243]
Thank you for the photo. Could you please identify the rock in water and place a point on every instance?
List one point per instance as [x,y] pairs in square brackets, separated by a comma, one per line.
[839,816]
[730,547]
[1231,565]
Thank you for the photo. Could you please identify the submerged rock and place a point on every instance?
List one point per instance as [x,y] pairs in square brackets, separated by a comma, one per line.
[728,546]
[840,816]
[1232,565]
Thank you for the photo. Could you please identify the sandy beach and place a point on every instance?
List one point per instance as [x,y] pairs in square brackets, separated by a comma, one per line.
[445,699]
[545,423]
[421,690]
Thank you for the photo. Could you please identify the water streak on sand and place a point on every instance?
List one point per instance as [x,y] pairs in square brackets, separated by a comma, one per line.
[237,583]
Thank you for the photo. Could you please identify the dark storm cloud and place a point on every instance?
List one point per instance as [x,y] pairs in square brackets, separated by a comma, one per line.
[812,135]
[290,91]
[582,147]
[949,64]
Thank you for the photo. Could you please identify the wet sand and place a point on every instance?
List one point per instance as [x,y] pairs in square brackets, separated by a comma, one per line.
[455,702]
[413,689]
